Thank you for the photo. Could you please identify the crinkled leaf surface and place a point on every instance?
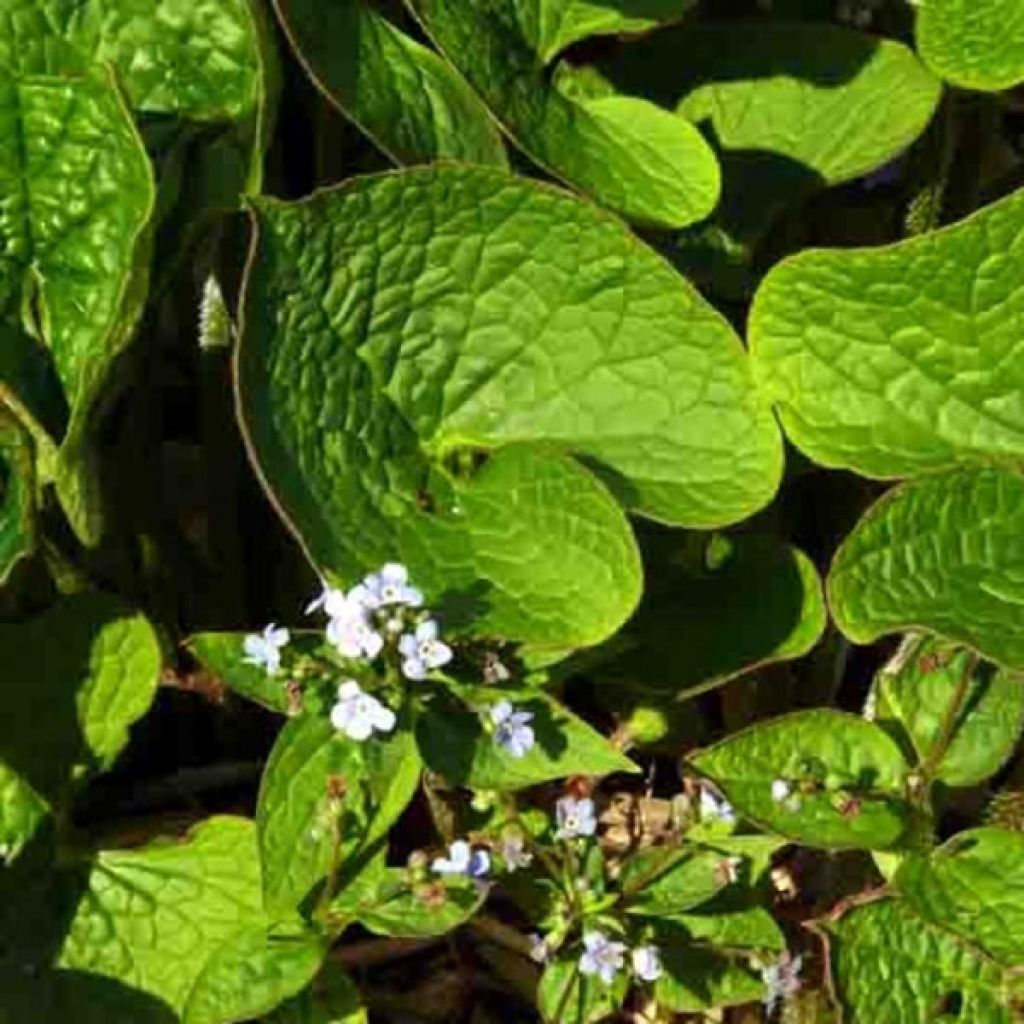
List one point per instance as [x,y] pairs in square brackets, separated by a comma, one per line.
[409,101]
[973,885]
[455,744]
[627,153]
[332,998]
[898,360]
[17,495]
[184,921]
[975,44]
[749,601]
[890,967]
[943,553]
[845,752]
[76,194]
[400,320]
[565,996]
[75,679]
[919,693]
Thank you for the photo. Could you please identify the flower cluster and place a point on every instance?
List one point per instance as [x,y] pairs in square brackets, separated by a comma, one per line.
[603,957]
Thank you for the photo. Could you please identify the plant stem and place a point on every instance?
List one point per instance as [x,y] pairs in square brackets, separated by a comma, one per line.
[949,721]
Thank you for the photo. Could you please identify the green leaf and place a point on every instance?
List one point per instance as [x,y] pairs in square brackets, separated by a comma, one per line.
[455,745]
[565,996]
[972,885]
[183,921]
[434,353]
[751,601]
[411,103]
[890,967]
[919,693]
[17,495]
[631,156]
[332,999]
[73,256]
[975,44]
[22,811]
[698,979]
[842,753]
[76,679]
[388,903]
[904,359]
[663,882]
[732,920]
[942,554]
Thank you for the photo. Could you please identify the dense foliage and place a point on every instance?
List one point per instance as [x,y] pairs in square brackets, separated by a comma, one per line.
[511,511]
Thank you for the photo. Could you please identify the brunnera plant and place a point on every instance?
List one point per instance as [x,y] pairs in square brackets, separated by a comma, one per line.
[511,511]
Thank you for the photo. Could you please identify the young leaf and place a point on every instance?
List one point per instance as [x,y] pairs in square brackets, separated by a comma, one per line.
[388,903]
[184,922]
[332,998]
[973,885]
[898,360]
[889,967]
[354,461]
[77,678]
[856,771]
[941,554]
[987,724]
[455,744]
[630,155]
[975,44]
[566,996]
[411,103]
[752,602]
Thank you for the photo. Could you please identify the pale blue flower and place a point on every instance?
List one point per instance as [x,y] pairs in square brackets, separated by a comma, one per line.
[782,980]
[602,956]
[575,818]
[264,649]
[351,631]
[716,808]
[390,586]
[512,731]
[647,963]
[330,600]
[422,651]
[462,859]
[358,715]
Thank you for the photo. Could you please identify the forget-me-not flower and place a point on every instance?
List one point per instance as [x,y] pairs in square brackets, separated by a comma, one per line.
[462,859]
[715,808]
[512,731]
[782,980]
[575,818]
[602,956]
[647,963]
[351,632]
[358,715]
[264,649]
[389,586]
[422,651]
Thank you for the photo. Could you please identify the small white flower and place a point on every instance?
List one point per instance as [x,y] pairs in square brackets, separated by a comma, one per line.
[264,649]
[782,980]
[647,963]
[390,586]
[514,852]
[330,600]
[422,651]
[575,818]
[512,732]
[351,632]
[782,793]
[716,808]
[540,951]
[462,859]
[602,956]
[358,715]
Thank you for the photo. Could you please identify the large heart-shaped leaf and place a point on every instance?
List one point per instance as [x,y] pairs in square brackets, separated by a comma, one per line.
[627,153]
[919,693]
[502,311]
[973,885]
[889,967]
[76,679]
[840,756]
[411,103]
[184,922]
[976,44]
[945,554]
[898,360]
